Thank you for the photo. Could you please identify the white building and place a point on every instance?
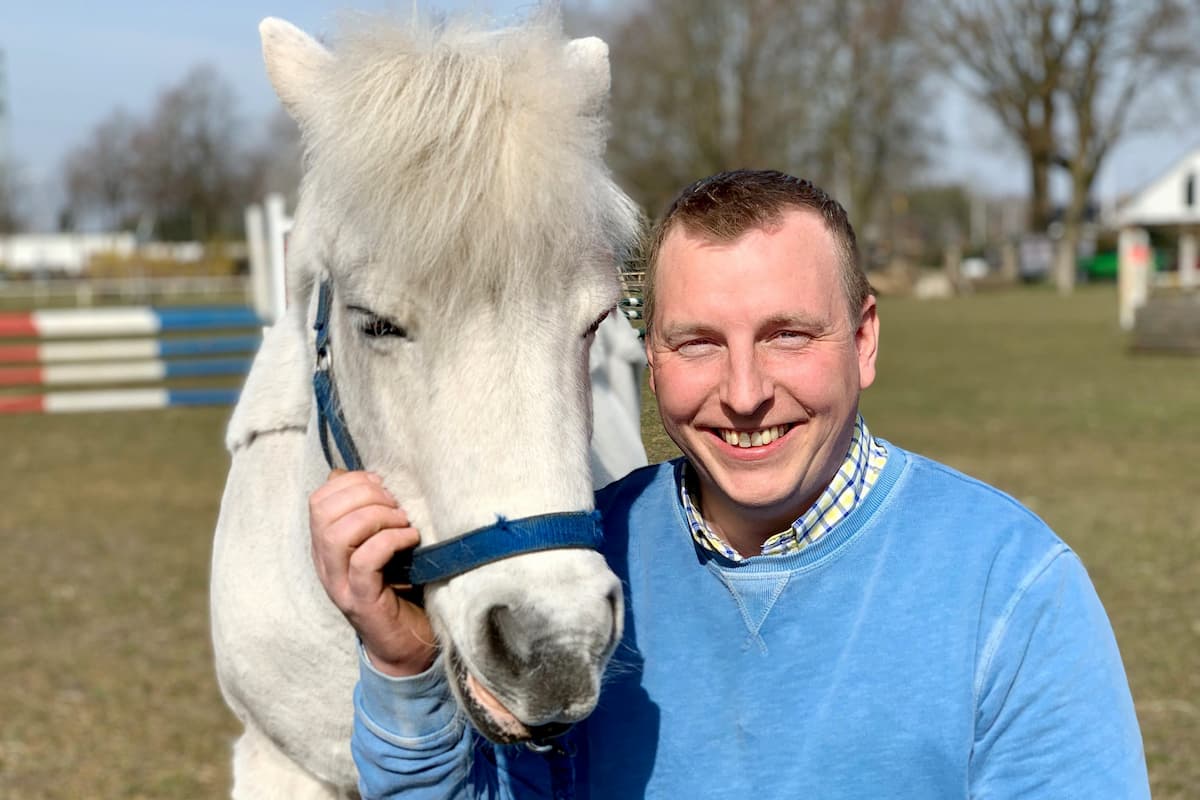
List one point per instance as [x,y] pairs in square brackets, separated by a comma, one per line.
[60,252]
[1172,200]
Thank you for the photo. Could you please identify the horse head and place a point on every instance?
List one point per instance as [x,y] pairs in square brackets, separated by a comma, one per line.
[456,203]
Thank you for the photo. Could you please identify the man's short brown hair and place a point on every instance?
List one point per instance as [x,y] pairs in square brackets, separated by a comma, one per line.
[725,206]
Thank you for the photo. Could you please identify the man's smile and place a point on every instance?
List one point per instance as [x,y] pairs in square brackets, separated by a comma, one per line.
[752,438]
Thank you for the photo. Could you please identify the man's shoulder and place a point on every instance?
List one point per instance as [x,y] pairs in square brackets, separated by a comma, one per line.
[974,541]
[646,495]
[635,484]
[941,502]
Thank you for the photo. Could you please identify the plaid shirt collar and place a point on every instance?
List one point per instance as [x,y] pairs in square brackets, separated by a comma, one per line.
[858,473]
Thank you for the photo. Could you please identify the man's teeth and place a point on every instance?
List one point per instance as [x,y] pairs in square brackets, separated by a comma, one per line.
[754,438]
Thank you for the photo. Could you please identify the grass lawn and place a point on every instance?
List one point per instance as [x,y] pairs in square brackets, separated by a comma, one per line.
[106,525]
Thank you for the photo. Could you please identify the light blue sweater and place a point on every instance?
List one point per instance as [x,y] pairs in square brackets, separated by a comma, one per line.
[941,642]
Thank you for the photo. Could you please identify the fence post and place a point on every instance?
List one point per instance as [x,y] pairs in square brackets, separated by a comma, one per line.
[1187,259]
[1010,267]
[1134,269]
[260,275]
[278,225]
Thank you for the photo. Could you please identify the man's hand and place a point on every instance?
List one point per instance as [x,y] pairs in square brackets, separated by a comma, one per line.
[357,526]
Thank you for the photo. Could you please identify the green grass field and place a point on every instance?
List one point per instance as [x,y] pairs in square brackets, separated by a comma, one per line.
[106,522]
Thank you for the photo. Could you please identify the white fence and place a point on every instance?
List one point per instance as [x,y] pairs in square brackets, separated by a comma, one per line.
[85,292]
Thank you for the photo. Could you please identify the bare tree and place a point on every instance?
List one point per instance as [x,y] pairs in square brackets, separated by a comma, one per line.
[1067,80]
[189,173]
[1122,51]
[11,218]
[688,83]
[99,172]
[875,135]
[184,169]
[1009,54]
[276,164]
[829,90]
[285,154]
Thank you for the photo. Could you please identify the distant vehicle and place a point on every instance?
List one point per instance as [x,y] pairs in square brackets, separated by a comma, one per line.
[1103,266]
[1036,256]
[974,269]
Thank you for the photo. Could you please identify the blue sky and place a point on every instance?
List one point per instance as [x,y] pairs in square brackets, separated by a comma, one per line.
[71,62]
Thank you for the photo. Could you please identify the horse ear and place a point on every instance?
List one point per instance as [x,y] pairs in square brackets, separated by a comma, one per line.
[294,61]
[589,57]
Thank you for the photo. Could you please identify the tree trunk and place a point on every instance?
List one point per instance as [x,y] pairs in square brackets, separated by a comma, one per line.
[1065,266]
[1082,178]
[1039,193]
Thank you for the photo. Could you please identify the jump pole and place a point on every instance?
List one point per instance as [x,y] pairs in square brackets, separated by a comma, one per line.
[121,372]
[124,349]
[129,321]
[114,400]
[43,363]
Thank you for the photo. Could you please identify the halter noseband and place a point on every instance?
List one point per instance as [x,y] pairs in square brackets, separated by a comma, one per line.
[437,562]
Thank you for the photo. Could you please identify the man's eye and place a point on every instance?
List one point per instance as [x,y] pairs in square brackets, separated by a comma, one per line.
[793,337]
[694,347]
[378,327]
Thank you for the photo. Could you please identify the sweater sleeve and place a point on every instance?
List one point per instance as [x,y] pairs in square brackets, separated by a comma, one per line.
[1054,715]
[409,740]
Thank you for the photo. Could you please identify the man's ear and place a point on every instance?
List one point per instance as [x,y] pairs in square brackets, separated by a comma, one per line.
[866,341]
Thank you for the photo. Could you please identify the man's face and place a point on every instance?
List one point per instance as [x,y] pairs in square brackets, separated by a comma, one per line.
[752,340]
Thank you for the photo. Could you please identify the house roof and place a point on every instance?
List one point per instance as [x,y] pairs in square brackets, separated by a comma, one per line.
[1171,199]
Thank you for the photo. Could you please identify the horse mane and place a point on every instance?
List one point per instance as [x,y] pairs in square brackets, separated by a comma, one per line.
[477,155]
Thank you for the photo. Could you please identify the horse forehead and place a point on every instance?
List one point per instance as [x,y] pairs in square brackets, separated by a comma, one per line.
[503,279]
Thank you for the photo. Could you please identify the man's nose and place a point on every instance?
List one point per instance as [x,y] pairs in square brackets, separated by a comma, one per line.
[747,386]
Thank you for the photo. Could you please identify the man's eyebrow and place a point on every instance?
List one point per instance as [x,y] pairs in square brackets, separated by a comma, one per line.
[796,320]
[685,329]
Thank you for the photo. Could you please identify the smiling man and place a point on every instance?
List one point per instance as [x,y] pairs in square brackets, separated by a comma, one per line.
[762,333]
[811,611]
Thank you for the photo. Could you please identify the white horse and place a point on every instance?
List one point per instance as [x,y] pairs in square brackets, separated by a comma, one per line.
[456,202]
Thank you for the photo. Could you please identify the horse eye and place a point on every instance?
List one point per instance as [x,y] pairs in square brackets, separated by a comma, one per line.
[377,327]
[595,326]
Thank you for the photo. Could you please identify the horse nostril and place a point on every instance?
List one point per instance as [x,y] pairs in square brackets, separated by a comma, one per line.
[615,600]
[616,604]
[504,638]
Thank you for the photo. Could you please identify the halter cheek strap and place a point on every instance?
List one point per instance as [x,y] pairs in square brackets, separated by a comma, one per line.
[330,419]
[437,562]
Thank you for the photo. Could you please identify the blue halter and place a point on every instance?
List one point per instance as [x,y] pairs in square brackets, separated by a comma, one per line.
[437,562]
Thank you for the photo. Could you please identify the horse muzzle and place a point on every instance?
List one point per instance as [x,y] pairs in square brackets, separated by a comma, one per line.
[537,640]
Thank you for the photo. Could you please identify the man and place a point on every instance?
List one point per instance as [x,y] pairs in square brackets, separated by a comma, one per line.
[811,611]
